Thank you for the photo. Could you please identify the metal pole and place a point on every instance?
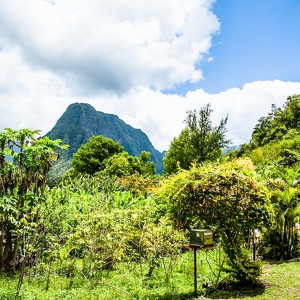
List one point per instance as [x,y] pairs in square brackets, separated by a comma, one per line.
[195,271]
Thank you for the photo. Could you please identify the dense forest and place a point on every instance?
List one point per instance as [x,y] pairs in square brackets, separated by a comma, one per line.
[113,228]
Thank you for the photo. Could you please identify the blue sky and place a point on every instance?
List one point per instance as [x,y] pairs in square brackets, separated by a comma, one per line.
[258,40]
[148,61]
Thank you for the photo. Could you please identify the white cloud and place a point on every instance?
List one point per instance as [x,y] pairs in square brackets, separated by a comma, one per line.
[111,45]
[117,56]
[37,98]
[29,98]
[161,116]
[245,106]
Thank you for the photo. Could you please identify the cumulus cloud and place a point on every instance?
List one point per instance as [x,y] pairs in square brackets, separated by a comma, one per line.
[35,99]
[109,45]
[29,98]
[161,116]
[119,56]
[246,105]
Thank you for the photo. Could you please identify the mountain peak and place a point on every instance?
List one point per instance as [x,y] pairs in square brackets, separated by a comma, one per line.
[81,121]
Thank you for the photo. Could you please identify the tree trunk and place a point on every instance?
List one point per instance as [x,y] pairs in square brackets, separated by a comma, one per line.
[13,259]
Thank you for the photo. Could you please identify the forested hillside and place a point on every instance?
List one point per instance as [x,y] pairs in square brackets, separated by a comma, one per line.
[275,138]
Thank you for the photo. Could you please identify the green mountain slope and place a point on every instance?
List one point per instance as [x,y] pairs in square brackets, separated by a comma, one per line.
[81,121]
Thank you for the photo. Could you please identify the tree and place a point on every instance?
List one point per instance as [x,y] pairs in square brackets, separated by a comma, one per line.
[24,164]
[147,166]
[91,157]
[199,141]
[179,153]
[104,156]
[289,116]
[121,164]
[275,138]
[278,122]
[281,242]
[224,198]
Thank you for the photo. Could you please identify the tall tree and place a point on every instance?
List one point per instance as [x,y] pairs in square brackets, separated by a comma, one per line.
[91,157]
[198,142]
[104,156]
[147,166]
[24,164]
[179,153]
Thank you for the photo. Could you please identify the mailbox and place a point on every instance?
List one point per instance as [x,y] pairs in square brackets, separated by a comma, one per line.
[201,237]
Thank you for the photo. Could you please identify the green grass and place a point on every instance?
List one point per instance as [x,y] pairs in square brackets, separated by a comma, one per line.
[279,281]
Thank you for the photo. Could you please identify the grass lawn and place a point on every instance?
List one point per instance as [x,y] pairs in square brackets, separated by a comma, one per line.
[280,281]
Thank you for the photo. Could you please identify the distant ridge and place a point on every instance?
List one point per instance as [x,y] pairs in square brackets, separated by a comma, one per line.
[81,121]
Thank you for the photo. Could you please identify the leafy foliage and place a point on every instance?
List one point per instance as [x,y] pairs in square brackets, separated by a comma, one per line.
[281,242]
[222,197]
[275,139]
[90,158]
[200,141]
[104,229]
[179,154]
[137,185]
[122,164]
[24,164]
[278,122]
[103,156]
[275,150]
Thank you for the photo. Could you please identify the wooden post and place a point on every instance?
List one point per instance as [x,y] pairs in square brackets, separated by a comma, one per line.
[195,248]
[195,271]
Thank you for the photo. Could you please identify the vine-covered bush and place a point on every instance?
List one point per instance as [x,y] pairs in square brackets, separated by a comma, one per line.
[224,198]
[137,184]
